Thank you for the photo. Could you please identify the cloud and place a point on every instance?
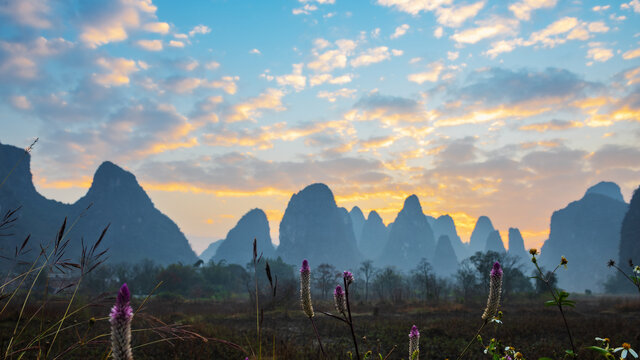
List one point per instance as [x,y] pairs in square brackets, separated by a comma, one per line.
[31,13]
[176,44]
[432,75]
[332,96]
[414,7]
[633,4]
[599,53]
[320,79]
[631,54]
[20,102]
[598,8]
[157,27]
[263,137]
[615,156]
[371,56]
[199,29]
[438,32]
[106,22]
[184,85]
[551,125]
[389,111]
[251,109]
[332,59]
[486,29]
[255,52]
[452,55]
[400,31]
[306,9]
[117,71]
[455,16]
[523,9]
[21,59]
[150,45]
[295,79]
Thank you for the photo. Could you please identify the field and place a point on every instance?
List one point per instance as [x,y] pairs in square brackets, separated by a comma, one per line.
[445,328]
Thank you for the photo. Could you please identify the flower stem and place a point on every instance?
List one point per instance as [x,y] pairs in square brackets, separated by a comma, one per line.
[353,334]
[318,337]
[472,340]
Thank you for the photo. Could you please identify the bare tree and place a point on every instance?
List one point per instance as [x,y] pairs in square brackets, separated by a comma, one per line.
[367,270]
[422,274]
[323,277]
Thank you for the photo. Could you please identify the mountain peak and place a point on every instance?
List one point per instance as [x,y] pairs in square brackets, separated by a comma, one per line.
[606,188]
[412,204]
[111,177]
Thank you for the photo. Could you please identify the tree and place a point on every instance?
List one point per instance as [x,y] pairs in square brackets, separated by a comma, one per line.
[466,279]
[367,269]
[422,274]
[388,280]
[323,276]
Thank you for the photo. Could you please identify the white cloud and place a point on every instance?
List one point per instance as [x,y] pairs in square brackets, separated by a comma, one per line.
[455,16]
[600,7]
[295,79]
[113,23]
[306,9]
[452,55]
[20,59]
[332,59]
[117,71]
[598,27]
[199,29]
[400,30]
[176,44]
[271,99]
[255,52]
[599,53]
[432,75]
[633,4]
[212,65]
[487,29]
[396,52]
[523,9]
[371,56]
[414,7]
[328,78]
[157,27]
[332,96]
[438,32]
[32,13]
[631,54]
[182,85]
[150,45]
[20,102]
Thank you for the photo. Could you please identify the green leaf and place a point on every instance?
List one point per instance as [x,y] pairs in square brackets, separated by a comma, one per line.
[550,303]
[598,349]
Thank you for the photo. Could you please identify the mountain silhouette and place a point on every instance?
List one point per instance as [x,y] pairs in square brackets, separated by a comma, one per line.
[630,232]
[137,229]
[445,262]
[208,253]
[374,236]
[516,246]
[314,228]
[479,235]
[357,219]
[237,247]
[494,243]
[410,238]
[444,225]
[587,233]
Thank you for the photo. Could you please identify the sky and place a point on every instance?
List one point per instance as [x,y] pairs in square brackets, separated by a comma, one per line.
[509,109]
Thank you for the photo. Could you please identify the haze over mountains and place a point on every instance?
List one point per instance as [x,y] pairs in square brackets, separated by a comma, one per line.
[587,231]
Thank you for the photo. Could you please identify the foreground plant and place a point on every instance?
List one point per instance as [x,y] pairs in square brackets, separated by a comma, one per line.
[414,343]
[605,349]
[493,302]
[120,320]
[560,298]
[634,277]
[305,298]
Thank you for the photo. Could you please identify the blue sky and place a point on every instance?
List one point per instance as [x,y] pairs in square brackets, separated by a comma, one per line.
[506,109]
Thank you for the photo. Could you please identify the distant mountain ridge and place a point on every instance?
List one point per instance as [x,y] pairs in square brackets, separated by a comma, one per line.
[137,229]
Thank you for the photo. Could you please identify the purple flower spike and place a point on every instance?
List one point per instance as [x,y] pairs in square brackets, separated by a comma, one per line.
[496,271]
[120,319]
[305,266]
[348,277]
[414,333]
[339,300]
[414,342]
